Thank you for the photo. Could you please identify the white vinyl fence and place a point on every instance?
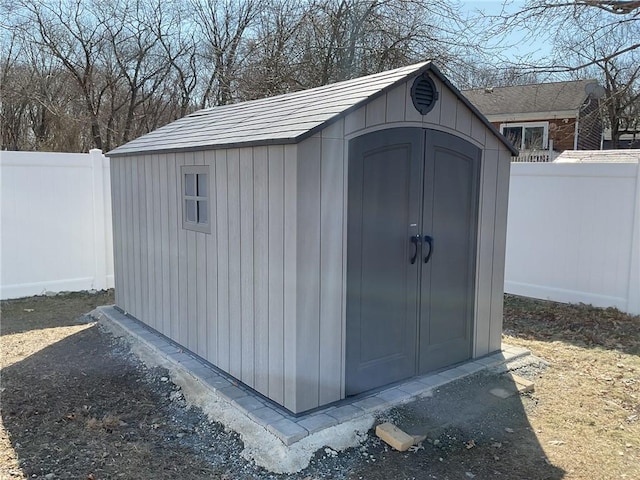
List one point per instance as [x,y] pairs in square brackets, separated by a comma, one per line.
[573,233]
[55,223]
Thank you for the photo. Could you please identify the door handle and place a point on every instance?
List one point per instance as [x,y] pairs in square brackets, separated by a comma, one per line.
[415,239]
[429,240]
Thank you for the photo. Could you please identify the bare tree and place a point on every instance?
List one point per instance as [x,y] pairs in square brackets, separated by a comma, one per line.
[619,74]
[223,26]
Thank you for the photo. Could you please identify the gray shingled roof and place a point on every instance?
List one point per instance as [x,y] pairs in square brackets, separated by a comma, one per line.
[287,118]
[540,97]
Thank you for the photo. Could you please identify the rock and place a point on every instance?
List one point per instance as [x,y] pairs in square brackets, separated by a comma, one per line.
[49,476]
[164,379]
[508,430]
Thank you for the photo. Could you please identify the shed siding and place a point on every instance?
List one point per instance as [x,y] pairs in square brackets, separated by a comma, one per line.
[223,322]
[229,296]
[484,265]
[308,274]
[499,248]
[332,207]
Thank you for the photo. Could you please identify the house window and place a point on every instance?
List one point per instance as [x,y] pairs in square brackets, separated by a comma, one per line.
[195,198]
[527,136]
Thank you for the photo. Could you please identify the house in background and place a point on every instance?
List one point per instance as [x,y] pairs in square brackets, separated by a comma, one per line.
[542,120]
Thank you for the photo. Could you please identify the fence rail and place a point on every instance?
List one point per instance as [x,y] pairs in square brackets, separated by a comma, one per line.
[55,223]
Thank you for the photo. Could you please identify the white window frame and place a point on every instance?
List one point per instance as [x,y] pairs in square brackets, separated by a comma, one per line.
[202,223]
[523,125]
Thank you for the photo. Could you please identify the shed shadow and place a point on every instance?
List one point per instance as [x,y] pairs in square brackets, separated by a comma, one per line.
[40,312]
[471,433]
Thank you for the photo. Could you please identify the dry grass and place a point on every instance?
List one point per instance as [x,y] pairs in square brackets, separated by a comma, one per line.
[588,413]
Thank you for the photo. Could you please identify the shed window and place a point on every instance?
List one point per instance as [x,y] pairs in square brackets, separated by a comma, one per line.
[195,198]
[527,136]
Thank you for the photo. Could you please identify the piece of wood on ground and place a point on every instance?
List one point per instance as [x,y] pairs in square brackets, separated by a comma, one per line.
[396,438]
[523,385]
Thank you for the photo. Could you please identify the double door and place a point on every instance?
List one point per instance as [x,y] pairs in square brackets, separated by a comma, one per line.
[411,238]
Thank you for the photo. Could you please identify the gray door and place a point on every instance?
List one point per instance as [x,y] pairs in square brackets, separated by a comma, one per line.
[411,191]
[449,221]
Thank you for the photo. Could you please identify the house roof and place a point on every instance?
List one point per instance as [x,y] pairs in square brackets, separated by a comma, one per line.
[288,118]
[534,98]
[599,156]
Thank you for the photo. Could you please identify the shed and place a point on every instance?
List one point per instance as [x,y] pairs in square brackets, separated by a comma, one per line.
[321,243]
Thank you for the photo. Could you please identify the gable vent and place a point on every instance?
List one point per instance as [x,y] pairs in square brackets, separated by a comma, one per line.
[424,94]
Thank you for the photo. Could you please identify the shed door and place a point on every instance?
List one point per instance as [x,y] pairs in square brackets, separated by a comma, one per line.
[405,316]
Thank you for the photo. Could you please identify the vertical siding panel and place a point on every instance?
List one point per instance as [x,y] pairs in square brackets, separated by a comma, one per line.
[235,311]
[165,250]
[182,324]
[331,287]
[149,251]
[484,272]
[308,304]
[116,188]
[463,118]
[192,279]
[499,248]
[355,121]
[157,285]
[478,130]
[201,286]
[174,227]
[246,265]
[290,274]
[137,250]
[276,273]
[125,210]
[395,104]
[376,111]
[211,292]
[222,259]
[143,252]
[261,267]
[448,107]
[129,257]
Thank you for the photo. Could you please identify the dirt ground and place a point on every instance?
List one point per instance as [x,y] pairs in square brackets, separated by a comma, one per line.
[77,405]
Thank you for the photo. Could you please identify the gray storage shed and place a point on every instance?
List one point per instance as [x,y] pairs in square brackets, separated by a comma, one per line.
[321,243]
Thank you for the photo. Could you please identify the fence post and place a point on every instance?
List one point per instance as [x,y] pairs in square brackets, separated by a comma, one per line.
[633,295]
[99,232]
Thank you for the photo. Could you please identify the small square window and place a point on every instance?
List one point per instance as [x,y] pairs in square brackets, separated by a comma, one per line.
[195,198]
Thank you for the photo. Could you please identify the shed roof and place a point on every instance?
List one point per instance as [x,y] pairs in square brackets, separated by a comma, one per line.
[534,98]
[599,156]
[288,118]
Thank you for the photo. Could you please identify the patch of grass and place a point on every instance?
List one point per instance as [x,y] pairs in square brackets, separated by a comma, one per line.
[577,324]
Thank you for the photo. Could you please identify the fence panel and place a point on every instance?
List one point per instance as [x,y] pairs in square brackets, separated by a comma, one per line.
[55,223]
[573,233]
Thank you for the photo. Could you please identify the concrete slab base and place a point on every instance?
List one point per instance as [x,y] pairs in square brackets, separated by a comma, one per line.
[274,438]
